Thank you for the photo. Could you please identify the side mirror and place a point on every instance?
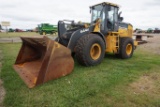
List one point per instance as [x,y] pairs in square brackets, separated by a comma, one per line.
[121,19]
[91,8]
[119,14]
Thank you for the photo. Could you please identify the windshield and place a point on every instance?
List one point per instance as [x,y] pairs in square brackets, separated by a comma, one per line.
[97,12]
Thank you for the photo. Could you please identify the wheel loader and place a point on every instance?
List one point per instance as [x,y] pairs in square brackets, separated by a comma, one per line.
[41,59]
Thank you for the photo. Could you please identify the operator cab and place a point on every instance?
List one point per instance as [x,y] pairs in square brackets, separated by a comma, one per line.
[108,13]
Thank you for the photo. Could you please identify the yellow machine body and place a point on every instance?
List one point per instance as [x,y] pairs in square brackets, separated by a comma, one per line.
[113,38]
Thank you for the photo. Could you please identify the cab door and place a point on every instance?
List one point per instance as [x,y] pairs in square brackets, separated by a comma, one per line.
[112,18]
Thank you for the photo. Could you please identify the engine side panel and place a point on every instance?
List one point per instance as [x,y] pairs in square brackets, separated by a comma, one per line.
[125,30]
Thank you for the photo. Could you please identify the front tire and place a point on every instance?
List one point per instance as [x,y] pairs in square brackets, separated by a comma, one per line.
[126,48]
[90,50]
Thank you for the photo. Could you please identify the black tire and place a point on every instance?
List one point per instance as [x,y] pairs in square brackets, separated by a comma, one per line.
[126,48]
[90,50]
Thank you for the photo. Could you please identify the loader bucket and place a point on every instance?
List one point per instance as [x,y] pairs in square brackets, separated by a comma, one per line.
[42,59]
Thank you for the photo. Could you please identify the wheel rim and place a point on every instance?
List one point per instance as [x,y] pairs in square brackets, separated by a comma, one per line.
[44,33]
[95,51]
[129,49]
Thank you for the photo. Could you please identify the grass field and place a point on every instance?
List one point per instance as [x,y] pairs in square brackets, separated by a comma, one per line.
[18,34]
[114,83]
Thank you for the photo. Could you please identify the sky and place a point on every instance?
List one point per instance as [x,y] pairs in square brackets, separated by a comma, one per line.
[27,14]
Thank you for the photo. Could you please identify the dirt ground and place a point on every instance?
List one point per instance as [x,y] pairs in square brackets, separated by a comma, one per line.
[2,93]
[152,45]
[2,90]
[147,84]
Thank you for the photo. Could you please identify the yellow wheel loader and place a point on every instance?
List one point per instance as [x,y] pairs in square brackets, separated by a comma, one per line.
[42,59]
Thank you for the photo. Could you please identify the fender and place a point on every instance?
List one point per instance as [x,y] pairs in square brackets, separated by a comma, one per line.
[82,32]
[101,35]
[77,35]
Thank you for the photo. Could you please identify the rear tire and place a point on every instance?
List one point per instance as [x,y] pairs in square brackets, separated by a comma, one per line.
[90,50]
[126,48]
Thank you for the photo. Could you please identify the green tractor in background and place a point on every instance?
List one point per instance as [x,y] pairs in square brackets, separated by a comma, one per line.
[46,28]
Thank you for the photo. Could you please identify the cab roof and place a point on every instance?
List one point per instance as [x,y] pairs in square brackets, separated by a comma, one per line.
[106,3]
